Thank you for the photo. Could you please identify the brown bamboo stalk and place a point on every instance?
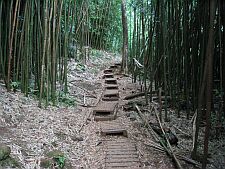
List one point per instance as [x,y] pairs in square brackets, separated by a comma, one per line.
[10,47]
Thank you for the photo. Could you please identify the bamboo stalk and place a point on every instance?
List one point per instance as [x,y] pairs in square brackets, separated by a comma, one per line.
[44,51]
[11,46]
[168,143]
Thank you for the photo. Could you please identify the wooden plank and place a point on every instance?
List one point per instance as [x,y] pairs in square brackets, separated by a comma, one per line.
[121,167]
[121,147]
[110,75]
[108,71]
[121,152]
[105,118]
[114,92]
[105,111]
[124,149]
[122,156]
[121,140]
[105,107]
[110,98]
[116,144]
[111,87]
[111,127]
[127,164]
[111,124]
[121,131]
[111,81]
[121,160]
[111,95]
[113,66]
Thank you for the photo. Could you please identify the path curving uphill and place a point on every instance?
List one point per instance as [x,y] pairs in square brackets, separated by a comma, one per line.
[120,150]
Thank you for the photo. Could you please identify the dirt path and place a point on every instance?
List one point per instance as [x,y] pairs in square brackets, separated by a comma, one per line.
[131,152]
[32,132]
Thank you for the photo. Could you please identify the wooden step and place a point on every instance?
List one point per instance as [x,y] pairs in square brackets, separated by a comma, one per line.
[121,153]
[130,165]
[110,95]
[114,132]
[105,118]
[113,128]
[110,75]
[111,81]
[108,71]
[111,87]
[113,66]
[105,111]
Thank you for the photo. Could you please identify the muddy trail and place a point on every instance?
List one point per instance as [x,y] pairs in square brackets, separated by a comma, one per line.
[102,130]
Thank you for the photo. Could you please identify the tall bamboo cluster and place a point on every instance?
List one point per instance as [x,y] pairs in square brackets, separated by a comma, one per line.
[36,38]
[105,23]
[182,47]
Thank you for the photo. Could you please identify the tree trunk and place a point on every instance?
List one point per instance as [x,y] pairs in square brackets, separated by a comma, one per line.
[125,37]
[209,57]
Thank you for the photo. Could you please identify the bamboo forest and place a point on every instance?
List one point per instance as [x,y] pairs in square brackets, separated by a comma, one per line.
[101,84]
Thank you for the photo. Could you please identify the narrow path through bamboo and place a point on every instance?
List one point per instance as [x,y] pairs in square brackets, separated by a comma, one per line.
[120,151]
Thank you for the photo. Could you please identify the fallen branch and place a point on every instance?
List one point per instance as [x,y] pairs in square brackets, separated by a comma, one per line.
[182,131]
[168,143]
[152,132]
[136,95]
[137,63]
[149,128]
[156,146]
[198,165]
[150,142]
[186,159]
[156,138]
[122,75]
[194,130]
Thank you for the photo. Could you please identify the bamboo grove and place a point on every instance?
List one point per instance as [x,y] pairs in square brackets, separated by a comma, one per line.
[181,45]
[39,36]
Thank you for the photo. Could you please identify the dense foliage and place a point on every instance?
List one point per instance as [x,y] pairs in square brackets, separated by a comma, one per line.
[181,45]
[38,37]
[174,45]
